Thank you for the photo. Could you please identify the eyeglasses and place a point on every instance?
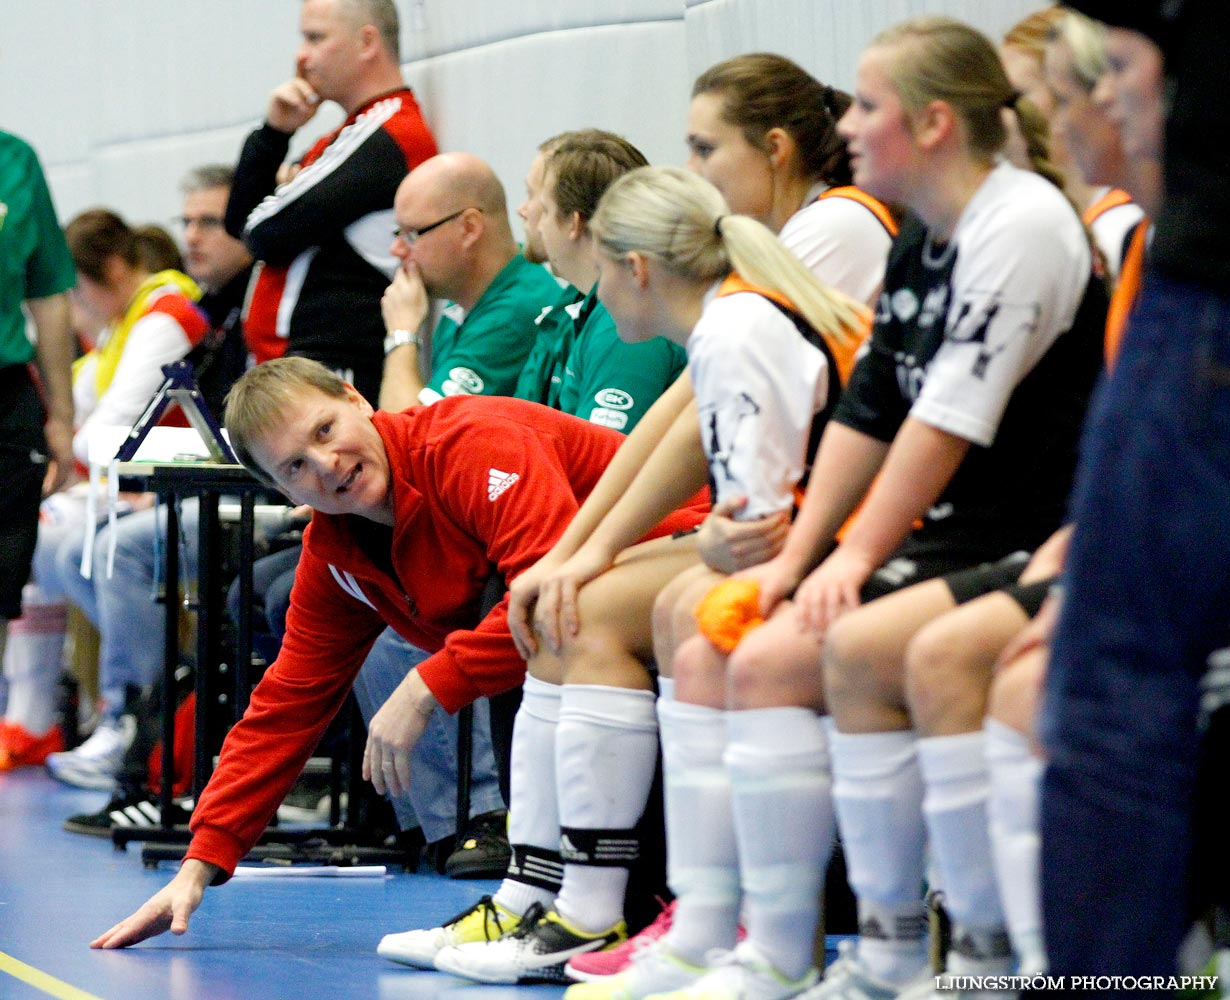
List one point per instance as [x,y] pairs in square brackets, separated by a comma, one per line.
[206,222]
[410,235]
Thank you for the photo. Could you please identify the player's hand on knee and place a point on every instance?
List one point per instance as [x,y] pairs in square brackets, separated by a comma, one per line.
[523,596]
[556,617]
[776,580]
[831,590]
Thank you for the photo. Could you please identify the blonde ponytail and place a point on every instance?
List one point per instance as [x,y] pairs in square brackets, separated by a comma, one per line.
[760,259]
[681,220]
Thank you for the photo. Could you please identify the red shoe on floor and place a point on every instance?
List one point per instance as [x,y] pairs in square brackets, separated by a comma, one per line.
[600,964]
[18,748]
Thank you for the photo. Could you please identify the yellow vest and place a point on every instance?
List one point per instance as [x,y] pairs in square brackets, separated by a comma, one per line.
[109,352]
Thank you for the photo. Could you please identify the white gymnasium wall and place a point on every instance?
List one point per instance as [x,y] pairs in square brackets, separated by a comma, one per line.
[121,97]
[497,78]
[823,36]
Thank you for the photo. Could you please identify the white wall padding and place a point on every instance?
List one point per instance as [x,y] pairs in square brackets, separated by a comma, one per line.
[121,97]
[825,37]
[433,28]
[501,100]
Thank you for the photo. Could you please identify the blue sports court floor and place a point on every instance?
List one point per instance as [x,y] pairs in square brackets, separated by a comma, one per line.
[291,939]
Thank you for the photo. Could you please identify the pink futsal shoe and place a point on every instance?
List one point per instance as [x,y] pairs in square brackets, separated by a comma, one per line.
[601,964]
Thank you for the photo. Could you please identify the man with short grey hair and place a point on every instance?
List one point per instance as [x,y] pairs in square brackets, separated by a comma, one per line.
[221,265]
[380,14]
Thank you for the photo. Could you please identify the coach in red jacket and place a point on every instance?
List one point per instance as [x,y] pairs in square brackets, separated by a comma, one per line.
[414,511]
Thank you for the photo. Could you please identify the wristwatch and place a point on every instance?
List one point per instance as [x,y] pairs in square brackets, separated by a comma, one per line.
[398,338]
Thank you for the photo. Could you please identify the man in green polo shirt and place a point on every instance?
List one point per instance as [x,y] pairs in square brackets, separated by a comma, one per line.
[455,242]
[603,379]
[35,269]
[543,372]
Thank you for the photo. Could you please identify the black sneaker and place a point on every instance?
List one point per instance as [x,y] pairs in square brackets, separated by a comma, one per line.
[141,813]
[483,850]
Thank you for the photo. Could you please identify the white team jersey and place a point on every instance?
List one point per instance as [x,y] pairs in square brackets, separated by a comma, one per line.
[994,337]
[758,384]
[842,243]
[1022,264]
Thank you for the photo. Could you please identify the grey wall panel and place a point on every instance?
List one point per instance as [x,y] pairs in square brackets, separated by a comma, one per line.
[432,28]
[823,36]
[47,94]
[121,96]
[145,174]
[500,101]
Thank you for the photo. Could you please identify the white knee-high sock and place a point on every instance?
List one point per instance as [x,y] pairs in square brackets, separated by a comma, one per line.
[606,749]
[958,784]
[1016,776]
[877,789]
[33,661]
[701,861]
[535,871]
[783,808]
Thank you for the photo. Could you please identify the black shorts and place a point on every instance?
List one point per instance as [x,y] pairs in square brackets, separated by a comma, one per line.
[23,463]
[1003,575]
[927,555]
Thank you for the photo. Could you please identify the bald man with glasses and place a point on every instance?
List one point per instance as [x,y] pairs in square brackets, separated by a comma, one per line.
[454,242]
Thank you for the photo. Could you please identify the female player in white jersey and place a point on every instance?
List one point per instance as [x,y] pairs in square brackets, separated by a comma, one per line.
[967,408]
[936,668]
[763,131]
[941,675]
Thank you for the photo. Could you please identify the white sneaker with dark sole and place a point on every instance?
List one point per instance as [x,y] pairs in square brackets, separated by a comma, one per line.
[535,952]
[486,920]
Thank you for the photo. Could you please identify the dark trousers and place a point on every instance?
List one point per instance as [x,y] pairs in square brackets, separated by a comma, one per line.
[1147,598]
